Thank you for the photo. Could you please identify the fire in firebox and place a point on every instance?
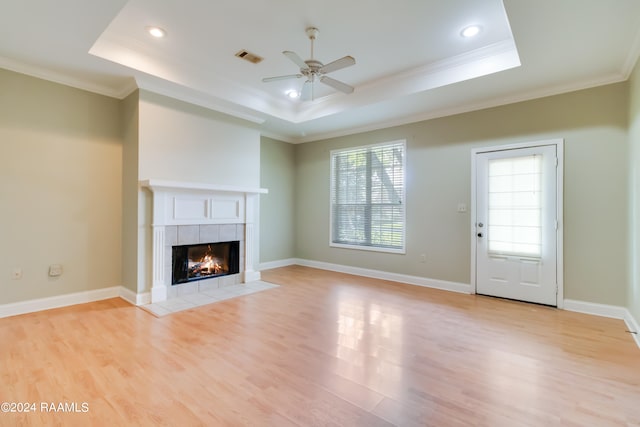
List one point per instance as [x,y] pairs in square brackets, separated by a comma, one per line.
[202,261]
[205,266]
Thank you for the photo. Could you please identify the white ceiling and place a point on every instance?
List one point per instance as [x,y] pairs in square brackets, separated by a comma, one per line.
[411,62]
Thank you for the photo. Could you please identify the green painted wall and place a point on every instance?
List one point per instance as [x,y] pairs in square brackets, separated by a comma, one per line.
[60,188]
[277,208]
[593,124]
[129,121]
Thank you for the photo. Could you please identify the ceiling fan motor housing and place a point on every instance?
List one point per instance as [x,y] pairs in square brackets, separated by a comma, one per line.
[313,68]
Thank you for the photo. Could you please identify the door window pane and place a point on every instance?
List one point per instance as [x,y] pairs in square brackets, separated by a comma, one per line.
[515,206]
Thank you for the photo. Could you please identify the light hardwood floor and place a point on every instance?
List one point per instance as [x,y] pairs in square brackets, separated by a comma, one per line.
[324,349]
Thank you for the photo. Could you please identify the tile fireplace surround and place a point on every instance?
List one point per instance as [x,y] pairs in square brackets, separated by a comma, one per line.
[191,213]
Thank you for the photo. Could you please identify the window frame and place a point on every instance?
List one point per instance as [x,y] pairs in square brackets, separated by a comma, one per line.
[403,198]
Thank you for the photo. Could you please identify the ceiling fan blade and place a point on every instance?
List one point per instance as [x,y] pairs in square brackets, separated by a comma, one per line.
[295,59]
[273,79]
[306,94]
[338,64]
[338,85]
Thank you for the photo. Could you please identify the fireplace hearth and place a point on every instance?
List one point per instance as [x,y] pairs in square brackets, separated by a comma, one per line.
[204,261]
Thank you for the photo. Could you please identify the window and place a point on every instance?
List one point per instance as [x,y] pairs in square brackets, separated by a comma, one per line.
[515,206]
[367,197]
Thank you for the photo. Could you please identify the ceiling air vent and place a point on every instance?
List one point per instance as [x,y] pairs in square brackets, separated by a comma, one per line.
[248,56]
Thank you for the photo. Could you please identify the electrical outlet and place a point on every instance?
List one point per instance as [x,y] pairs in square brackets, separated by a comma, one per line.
[16,273]
[462,207]
[423,258]
[55,270]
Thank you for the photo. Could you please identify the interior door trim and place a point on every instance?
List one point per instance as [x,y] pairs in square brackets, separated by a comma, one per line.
[559,143]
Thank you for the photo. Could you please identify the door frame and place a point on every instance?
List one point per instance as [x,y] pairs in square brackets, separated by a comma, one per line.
[559,144]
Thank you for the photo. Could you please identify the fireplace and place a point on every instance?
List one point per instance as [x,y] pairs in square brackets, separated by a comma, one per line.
[204,261]
[196,213]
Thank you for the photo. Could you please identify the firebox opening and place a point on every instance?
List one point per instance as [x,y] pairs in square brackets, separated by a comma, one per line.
[204,261]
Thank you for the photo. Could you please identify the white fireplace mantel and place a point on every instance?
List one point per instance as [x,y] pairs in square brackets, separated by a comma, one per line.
[185,203]
[169,186]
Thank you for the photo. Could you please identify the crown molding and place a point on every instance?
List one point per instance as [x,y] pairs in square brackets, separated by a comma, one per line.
[64,79]
[196,98]
[490,103]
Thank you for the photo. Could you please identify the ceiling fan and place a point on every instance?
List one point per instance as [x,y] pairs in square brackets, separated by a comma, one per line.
[314,70]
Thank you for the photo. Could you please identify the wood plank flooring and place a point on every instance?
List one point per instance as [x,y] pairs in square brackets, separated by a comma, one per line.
[323,349]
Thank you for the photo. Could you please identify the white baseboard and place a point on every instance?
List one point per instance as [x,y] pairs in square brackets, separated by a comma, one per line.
[134,298]
[276,264]
[604,310]
[633,326]
[29,306]
[40,304]
[384,275]
[252,276]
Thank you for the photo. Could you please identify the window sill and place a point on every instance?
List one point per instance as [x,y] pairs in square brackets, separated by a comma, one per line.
[401,251]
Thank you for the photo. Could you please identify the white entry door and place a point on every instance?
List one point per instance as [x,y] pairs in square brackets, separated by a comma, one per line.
[516,224]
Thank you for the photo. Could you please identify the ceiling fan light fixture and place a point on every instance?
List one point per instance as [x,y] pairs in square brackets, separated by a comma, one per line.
[470,31]
[156,32]
[293,94]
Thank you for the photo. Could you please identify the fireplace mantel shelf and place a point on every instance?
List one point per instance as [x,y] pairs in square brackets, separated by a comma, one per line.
[162,185]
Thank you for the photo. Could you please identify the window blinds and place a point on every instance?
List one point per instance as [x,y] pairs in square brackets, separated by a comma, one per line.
[367,196]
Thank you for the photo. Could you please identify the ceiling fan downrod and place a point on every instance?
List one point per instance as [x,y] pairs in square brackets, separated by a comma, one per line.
[312,33]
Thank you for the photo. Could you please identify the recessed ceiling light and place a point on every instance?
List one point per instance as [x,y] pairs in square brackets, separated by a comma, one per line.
[293,94]
[156,32]
[470,31]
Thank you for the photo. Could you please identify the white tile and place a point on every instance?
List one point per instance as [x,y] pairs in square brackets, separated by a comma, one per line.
[190,298]
[229,280]
[168,254]
[246,292]
[188,234]
[257,285]
[209,233]
[172,292]
[171,235]
[198,299]
[210,293]
[227,291]
[157,310]
[232,288]
[163,304]
[224,297]
[195,298]
[207,300]
[187,288]
[228,232]
[178,304]
[208,284]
